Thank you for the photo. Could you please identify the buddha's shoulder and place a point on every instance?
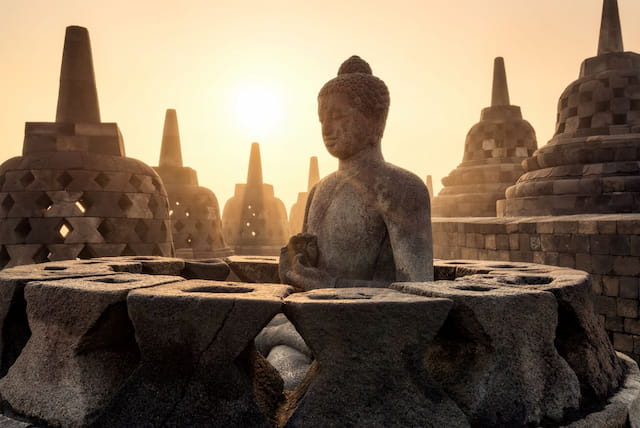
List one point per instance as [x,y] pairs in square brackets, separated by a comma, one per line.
[393,177]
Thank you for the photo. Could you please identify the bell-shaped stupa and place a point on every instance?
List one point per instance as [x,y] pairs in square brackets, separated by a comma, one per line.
[194,210]
[592,163]
[73,193]
[493,152]
[296,217]
[254,221]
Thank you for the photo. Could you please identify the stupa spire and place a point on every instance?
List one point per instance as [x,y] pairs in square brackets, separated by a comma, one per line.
[254,175]
[77,96]
[610,29]
[171,152]
[314,172]
[500,92]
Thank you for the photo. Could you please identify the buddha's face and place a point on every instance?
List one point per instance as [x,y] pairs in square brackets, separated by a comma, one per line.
[345,130]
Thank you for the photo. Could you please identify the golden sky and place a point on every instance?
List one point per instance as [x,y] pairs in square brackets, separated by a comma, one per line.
[207,59]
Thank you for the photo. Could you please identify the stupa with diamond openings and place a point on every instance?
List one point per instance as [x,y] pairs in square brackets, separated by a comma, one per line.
[73,193]
[195,214]
[254,221]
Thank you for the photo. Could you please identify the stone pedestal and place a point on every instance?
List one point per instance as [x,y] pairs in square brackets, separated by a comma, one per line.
[81,350]
[198,365]
[368,346]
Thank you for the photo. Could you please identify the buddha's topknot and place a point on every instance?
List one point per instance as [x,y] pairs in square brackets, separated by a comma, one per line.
[355,64]
[367,93]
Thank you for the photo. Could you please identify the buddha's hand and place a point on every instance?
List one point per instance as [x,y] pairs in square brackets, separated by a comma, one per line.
[307,277]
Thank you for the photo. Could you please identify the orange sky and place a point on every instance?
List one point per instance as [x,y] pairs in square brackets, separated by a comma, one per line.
[196,56]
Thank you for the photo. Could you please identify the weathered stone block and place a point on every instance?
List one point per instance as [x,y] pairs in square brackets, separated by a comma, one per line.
[627,308]
[478,349]
[376,385]
[198,363]
[82,347]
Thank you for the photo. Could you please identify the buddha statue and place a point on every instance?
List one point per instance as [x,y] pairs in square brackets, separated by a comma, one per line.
[367,224]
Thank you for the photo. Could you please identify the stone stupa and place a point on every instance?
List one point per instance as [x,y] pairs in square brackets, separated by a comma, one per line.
[493,152]
[73,193]
[296,218]
[591,165]
[254,221]
[194,210]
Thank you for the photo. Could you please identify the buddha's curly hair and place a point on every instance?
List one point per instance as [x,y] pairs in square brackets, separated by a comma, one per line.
[368,94]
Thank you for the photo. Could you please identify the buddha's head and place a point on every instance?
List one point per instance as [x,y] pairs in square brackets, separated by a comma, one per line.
[353,109]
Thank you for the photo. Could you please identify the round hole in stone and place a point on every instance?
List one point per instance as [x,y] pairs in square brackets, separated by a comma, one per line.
[113,280]
[342,296]
[477,288]
[224,289]
[55,268]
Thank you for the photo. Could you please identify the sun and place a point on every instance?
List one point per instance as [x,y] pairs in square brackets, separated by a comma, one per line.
[258,109]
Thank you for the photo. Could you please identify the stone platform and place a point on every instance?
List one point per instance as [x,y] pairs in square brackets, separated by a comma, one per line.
[187,357]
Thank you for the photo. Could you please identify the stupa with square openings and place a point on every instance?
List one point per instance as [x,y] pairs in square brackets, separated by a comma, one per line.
[296,217]
[591,165]
[493,152]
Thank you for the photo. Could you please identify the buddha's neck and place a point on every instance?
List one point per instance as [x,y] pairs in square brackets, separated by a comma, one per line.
[366,158]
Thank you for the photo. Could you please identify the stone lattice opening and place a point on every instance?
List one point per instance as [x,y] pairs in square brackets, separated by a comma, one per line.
[7,204]
[64,229]
[65,179]
[128,251]
[23,228]
[102,180]
[86,253]
[141,229]
[44,202]
[5,258]
[135,182]
[42,255]
[125,203]
[27,179]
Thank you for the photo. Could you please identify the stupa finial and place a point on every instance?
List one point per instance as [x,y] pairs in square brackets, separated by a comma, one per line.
[254,175]
[78,96]
[314,172]
[610,29]
[171,152]
[500,92]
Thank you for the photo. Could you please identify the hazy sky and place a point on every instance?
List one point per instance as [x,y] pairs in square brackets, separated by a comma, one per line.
[243,71]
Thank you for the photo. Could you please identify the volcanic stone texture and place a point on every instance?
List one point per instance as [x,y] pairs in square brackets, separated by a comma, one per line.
[495,373]
[198,363]
[254,221]
[592,164]
[493,152]
[372,368]
[82,347]
[195,214]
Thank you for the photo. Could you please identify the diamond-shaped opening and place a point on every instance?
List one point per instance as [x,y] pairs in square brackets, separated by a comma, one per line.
[281,344]
[42,255]
[102,179]
[8,203]
[27,179]
[23,228]
[135,182]
[163,229]
[178,226]
[65,179]
[170,212]
[128,251]
[44,202]
[104,229]
[64,229]
[188,241]
[86,253]
[156,184]
[81,206]
[153,204]
[125,203]
[141,229]
[4,257]
[187,213]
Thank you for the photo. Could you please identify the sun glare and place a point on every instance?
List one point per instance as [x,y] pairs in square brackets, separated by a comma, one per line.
[258,109]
